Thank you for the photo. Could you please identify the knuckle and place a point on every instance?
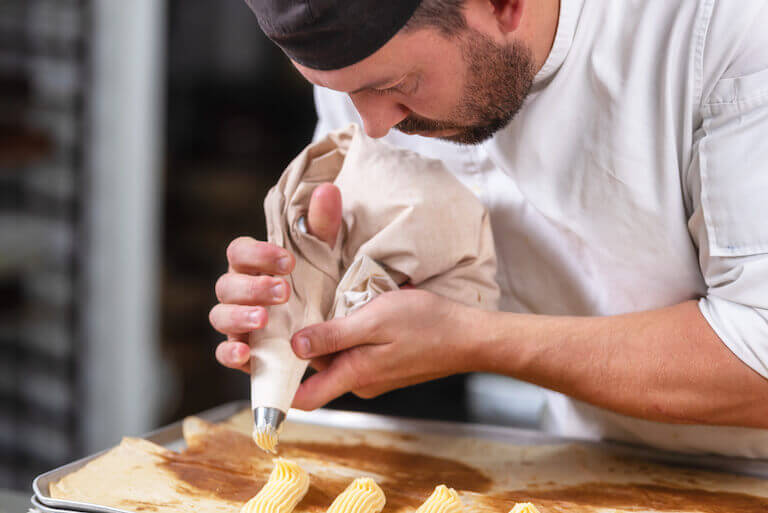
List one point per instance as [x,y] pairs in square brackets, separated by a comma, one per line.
[213,316]
[372,321]
[221,286]
[234,247]
[374,326]
[358,371]
[367,393]
[333,339]
[261,253]
[257,286]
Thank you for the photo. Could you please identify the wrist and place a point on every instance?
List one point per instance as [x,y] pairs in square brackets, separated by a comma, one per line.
[477,338]
[496,344]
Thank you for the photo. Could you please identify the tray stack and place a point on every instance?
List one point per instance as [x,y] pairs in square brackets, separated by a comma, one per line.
[490,467]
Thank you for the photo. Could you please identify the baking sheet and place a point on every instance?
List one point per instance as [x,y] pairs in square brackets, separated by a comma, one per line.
[171,437]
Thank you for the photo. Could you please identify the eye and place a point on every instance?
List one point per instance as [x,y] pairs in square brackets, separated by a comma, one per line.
[384,92]
[398,87]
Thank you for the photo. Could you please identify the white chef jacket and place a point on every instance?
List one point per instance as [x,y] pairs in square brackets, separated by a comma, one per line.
[634,177]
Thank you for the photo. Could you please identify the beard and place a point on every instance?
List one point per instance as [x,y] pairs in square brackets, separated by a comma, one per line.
[499,78]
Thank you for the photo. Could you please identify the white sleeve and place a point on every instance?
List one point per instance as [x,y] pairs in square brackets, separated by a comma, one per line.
[728,185]
[334,110]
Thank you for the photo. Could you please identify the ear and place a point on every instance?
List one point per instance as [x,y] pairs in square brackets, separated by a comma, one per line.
[508,14]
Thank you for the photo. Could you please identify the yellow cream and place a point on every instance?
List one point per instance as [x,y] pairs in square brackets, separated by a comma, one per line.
[266,440]
[524,507]
[363,495]
[287,485]
[442,500]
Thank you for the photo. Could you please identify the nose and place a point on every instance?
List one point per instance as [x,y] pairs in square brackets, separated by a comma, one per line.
[379,113]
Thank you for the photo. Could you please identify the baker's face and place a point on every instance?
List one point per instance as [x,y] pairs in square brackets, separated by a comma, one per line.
[462,88]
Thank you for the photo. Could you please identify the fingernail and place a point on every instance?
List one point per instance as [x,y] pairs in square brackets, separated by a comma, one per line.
[284,264]
[278,291]
[303,346]
[256,317]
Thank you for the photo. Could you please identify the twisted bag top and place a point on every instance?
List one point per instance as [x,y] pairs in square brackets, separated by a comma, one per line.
[405,219]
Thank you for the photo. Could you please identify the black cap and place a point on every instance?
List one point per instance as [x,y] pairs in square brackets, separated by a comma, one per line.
[331,34]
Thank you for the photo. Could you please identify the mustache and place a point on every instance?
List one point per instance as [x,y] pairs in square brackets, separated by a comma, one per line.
[419,124]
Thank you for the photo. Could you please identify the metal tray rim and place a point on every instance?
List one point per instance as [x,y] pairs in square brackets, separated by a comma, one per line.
[38,506]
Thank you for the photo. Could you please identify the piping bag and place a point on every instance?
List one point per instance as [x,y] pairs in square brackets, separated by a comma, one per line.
[405,219]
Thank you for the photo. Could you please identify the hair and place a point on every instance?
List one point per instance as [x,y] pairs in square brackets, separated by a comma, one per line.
[447,16]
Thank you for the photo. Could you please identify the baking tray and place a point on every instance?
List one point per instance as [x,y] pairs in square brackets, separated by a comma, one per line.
[38,506]
[171,438]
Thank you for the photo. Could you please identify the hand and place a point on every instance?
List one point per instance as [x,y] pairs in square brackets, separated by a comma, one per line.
[253,282]
[399,339]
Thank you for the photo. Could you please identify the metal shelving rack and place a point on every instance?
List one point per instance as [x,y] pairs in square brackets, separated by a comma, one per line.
[43,81]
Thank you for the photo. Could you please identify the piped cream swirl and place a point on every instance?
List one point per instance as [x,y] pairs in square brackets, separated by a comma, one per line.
[363,495]
[524,507]
[287,485]
[442,500]
[266,439]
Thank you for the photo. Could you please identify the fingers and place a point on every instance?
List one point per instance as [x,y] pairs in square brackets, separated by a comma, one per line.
[340,377]
[321,362]
[242,289]
[324,215]
[250,256]
[357,371]
[234,355]
[245,286]
[242,294]
[235,319]
[334,335]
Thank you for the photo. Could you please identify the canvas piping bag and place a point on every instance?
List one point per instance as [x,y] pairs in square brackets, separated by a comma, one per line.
[406,219]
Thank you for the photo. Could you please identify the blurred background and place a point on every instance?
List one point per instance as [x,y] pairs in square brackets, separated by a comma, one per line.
[137,139]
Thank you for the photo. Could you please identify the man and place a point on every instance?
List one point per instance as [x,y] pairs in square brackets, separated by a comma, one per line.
[621,149]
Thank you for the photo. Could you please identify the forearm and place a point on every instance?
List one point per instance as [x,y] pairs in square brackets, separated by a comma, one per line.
[665,365]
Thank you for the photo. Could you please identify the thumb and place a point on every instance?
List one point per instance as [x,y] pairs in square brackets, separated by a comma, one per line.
[332,336]
[335,380]
[324,214]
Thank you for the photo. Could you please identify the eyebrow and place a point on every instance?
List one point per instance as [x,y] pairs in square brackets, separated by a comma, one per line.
[378,84]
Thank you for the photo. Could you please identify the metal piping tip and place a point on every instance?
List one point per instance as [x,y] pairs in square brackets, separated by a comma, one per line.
[267,423]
